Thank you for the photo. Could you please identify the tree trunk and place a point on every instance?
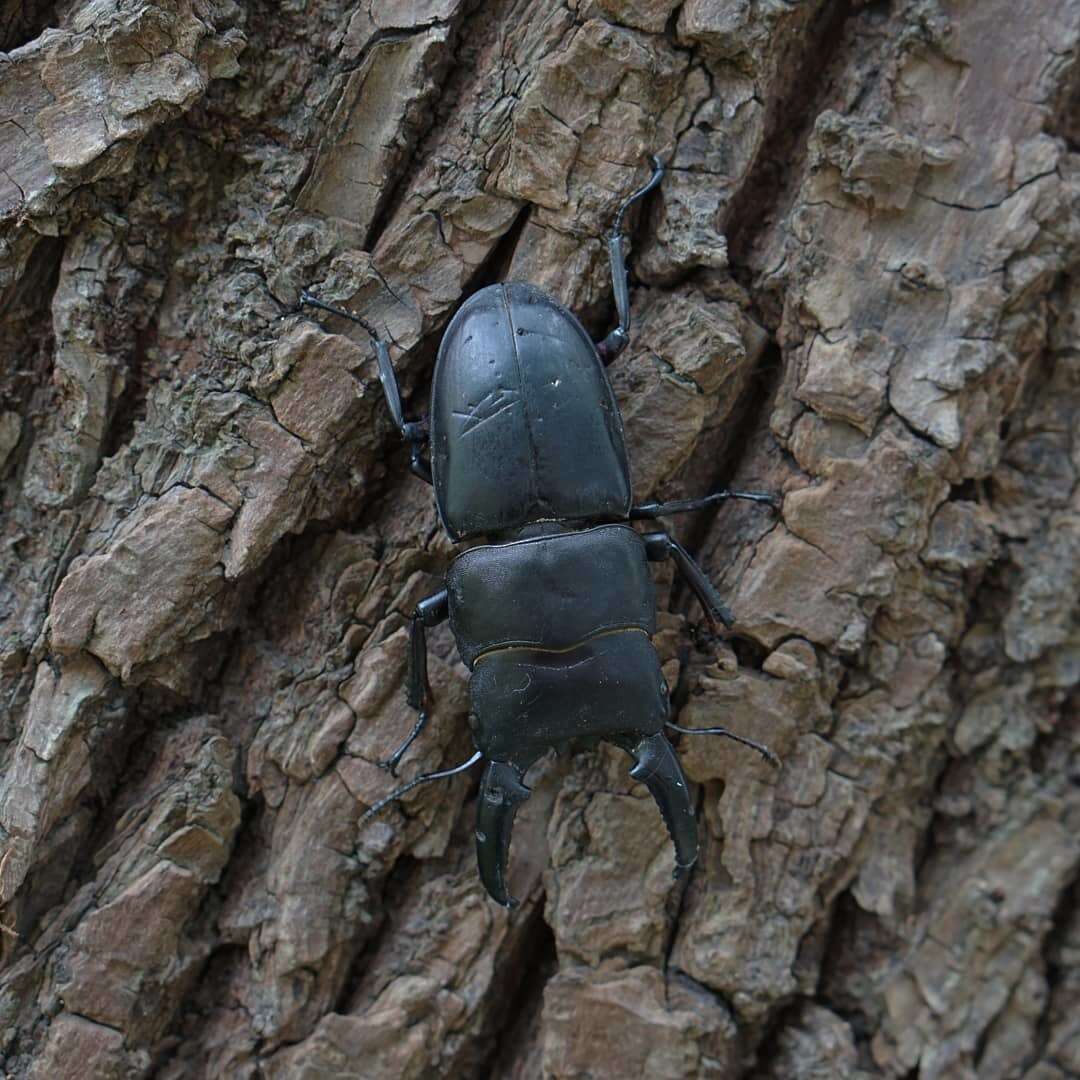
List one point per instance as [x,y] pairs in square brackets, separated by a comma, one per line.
[857,286]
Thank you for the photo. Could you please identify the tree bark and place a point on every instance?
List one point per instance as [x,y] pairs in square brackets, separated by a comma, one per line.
[857,286]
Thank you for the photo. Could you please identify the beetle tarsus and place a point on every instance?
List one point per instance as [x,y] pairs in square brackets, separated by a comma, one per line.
[391,763]
[763,750]
[652,182]
[309,299]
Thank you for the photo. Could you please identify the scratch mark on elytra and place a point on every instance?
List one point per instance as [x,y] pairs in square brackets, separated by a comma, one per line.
[489,406]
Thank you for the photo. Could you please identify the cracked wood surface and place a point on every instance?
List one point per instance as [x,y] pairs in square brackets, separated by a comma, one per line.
[857,286]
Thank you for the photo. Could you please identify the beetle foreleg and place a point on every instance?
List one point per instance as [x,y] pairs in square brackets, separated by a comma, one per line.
[502,791]
[764,751]
[617,340]
[660,546]
[429,612]
[416,433]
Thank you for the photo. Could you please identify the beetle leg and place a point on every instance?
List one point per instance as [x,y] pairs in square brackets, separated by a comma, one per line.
[429,612]
[414,432]
[617,340]
[764,751]
[656,765]
[427,778]
[660,546]
[501,792]
[391,763]
[656,509]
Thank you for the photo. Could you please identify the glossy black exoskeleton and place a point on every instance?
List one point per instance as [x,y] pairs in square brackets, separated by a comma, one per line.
[554,615]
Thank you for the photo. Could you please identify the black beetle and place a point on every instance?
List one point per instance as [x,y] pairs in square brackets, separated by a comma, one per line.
[554,615]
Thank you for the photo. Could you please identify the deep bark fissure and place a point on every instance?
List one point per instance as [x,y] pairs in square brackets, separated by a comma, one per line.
[767,185]
[23,20]
[523,1005]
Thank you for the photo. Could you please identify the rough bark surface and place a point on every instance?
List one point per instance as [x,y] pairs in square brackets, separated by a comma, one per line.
[858,286]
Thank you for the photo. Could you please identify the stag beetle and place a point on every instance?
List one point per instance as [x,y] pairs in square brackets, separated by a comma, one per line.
[555,613]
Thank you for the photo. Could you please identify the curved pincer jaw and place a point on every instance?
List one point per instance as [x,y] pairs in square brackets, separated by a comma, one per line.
[501,792]
[657,767]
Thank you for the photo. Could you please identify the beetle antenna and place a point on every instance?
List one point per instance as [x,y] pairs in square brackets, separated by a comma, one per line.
[427,778]
[764,751]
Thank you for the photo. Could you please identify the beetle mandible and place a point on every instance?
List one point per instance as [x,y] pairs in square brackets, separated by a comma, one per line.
[526,452]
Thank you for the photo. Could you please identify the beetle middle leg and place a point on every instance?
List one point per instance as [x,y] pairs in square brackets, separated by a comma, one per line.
[431,611]
[660,546]
[651,510]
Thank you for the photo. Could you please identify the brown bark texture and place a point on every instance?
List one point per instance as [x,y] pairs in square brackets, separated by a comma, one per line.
[858,286]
